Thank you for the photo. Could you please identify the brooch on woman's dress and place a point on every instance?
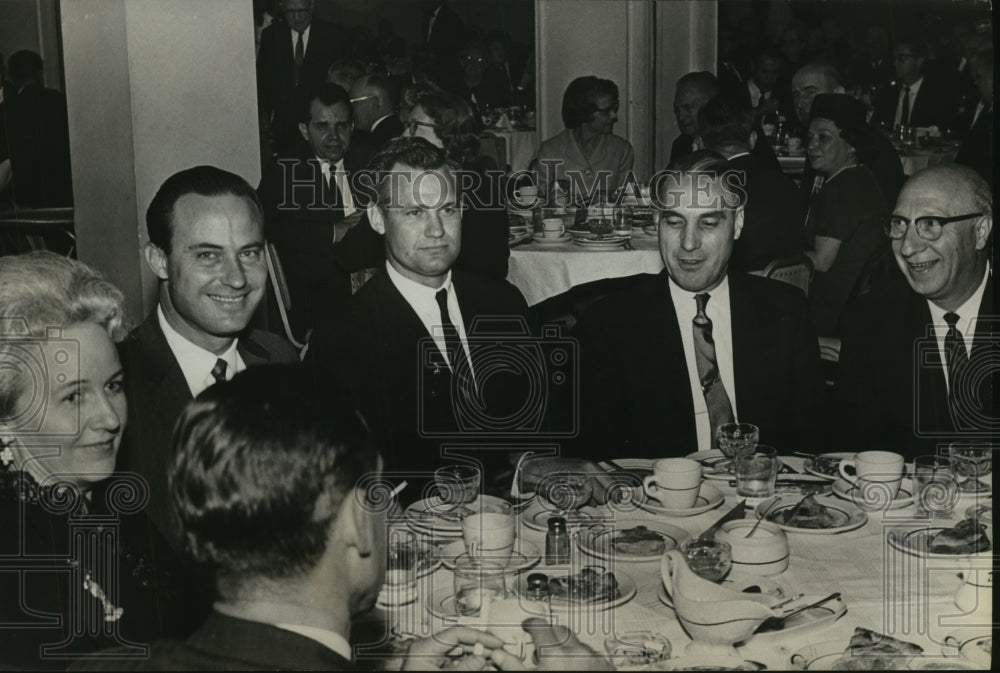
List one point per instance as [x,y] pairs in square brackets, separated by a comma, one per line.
[111,613]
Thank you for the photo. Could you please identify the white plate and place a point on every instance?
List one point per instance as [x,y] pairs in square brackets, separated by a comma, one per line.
[849,517]
[442,604]
[626,589]
[527,214]
[974,644]
[852,493]
[823,656]
[434,516]
[813,618]
[538,238]
[915,542]
[709,663]
[738,581]
[715,465]
[526,554]
[709,497]
[600,246]
[596,540]
[536,517]
[516,237]
[808,464]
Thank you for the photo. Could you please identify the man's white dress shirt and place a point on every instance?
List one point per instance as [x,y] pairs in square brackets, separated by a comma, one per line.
[196,362]
[968,316]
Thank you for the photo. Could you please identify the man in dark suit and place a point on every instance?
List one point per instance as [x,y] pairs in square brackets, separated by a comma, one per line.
[693,91]
[916,99]
[312,201]
[773,216]
[407,348]
[206,240]
[880,156]
[918,362]
[976,151]
[695,346]
[375,101]
[294,54]
[763,91]
[270,485]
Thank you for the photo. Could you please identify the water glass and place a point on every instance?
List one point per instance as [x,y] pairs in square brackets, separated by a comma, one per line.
[458,484]
[489,535]
[756,472]
[476,582]
[709,559]
[972,460]
[402,556]
[935,486]
[735,439]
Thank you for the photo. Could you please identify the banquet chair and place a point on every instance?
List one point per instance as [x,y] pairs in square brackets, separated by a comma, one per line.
[27,229]
[795,270]
[495,148]
[279,283]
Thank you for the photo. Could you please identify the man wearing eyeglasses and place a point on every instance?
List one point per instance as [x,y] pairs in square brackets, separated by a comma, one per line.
[374,99]
[918,359]
[916,99]
[311,203]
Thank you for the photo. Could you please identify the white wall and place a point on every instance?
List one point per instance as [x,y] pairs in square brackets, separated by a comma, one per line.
[153,87]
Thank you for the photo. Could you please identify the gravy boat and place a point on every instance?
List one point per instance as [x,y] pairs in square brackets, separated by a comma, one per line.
[715,617]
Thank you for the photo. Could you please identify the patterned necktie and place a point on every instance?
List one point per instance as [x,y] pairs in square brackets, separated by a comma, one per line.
[300,54]
[720,409]
[460,365]
[904,117]
[219,370]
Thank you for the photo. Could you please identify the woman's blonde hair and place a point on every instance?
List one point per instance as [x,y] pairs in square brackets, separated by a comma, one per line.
[41,292]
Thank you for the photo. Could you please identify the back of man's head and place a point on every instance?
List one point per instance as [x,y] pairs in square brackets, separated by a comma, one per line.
[262,466]
[725,126]
[702,81]
[201,180]
[25,67]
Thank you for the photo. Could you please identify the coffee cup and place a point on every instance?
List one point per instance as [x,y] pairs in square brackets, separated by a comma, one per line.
[875,470]
[553,227]
[489,535]
[675,482]
[526,196]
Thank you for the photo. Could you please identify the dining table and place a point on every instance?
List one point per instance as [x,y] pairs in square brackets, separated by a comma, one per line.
[913,158]
[541,270]
[520,143]
[885,589]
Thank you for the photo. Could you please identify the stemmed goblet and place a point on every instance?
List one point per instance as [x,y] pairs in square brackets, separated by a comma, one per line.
[972,460]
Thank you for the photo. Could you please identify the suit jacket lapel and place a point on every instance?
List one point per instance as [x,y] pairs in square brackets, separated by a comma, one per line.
[930,387]
[665,330]
[165,375]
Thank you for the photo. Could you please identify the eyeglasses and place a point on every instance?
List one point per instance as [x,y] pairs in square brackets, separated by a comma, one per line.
[412,126]
[474,59]
[928,228]
[358,100]
[903,57]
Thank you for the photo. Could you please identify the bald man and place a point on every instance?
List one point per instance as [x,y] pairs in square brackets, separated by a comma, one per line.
[918,361]
[374,98]
[814,79]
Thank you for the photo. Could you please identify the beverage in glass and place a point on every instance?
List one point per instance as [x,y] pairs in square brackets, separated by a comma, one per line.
[458,484]
[735,439]
[756,472]
[972,460]
[476,582]
[935,486]
[709,559]
[402,556]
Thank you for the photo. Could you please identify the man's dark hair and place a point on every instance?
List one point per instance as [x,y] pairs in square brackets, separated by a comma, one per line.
[580,100]
[769,53]
[24,66]
[725,122]
[326,93]
[917,45]
[262,465]
[201,180]
[716,167]
[416,153]
[828,71]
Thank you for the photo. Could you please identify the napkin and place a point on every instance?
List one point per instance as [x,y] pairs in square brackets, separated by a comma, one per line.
[503,123]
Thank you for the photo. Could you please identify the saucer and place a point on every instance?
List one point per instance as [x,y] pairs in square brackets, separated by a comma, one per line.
[550,240]
[526,554]
[709,497]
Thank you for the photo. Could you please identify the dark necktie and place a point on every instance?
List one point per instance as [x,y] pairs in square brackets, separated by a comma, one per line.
[332,196]
[954,352]
[720,409]
[300,53]
[460,365]
[219,370]
[904,117]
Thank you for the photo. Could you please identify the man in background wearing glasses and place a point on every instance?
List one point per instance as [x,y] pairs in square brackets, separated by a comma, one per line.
[917,98]
[918,360]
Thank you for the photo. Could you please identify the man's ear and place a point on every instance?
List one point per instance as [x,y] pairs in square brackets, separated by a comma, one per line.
[738,223]
[157,260]
[358,522]
[304,130]
[376,219]
[984,225]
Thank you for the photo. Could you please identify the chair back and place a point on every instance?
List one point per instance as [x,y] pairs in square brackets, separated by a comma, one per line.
[26,229]
[279,283]
[495,148]
[795,270]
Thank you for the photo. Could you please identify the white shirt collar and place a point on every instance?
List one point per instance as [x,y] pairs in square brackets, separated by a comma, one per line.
[737,156]
[379,121]
[305,39]
[339,173]
[329,639]
[195,362]
[968,316]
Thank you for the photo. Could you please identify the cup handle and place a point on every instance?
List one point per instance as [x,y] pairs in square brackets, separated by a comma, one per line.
[473,549]
[649,484]
[843,470]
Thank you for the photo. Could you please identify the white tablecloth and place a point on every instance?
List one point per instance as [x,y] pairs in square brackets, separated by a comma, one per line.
[913,160]
[884,589]
[521,146]
[542,271]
